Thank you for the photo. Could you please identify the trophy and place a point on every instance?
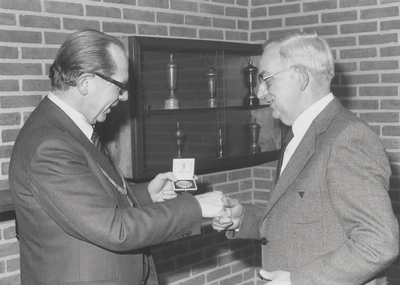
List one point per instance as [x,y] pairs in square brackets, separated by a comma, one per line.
[172,76]
[211,75]
[179,136]
[251,98]
[254,136]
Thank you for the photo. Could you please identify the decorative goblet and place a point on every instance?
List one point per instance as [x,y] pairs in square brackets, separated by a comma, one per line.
[172,77]
[251,98]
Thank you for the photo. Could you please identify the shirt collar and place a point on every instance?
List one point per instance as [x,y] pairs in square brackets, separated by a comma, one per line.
[303,122]
[78,118]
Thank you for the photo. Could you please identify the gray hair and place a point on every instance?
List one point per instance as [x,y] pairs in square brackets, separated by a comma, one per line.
[307,50]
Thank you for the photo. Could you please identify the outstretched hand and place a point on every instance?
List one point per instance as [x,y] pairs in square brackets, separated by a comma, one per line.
[211,204]
[160,188]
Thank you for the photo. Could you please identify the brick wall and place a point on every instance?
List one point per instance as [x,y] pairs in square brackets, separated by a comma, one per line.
[9,254]
[364,35]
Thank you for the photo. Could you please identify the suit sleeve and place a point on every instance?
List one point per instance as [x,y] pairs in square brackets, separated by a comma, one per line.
[66,184]
[357,179]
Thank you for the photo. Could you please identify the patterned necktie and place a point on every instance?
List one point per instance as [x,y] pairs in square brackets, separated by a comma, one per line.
[97,142]
[286,141]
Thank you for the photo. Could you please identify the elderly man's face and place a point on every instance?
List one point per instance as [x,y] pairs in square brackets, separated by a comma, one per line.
[105,94]
[277,86]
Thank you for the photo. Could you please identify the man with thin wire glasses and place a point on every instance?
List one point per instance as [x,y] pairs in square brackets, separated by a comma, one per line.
[329,218]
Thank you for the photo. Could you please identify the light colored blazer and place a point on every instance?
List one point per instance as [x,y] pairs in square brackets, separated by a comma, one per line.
[329,218]
[74,226]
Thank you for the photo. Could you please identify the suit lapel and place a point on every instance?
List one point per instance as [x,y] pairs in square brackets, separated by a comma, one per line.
[292,170]
[303,153]
[55,114]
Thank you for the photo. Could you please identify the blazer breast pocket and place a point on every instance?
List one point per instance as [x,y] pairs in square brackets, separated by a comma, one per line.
[305,206]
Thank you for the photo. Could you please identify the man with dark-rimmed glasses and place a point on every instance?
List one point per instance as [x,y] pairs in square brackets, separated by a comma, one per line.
[123,87]
[79,222]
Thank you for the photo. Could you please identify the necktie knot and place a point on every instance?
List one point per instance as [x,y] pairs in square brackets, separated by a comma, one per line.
[288,137]
[96,140]
[95,136]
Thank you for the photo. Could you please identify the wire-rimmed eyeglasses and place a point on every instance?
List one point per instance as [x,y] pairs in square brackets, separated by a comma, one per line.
[264,80]
[123,87]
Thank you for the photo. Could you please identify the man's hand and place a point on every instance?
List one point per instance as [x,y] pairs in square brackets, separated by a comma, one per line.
[211,204]
[275,277]
[233,218]
[160,188]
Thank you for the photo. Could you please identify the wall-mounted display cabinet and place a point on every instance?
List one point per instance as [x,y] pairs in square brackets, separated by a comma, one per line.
[190,98]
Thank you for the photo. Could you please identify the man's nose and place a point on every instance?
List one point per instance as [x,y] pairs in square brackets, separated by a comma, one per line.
[124,96]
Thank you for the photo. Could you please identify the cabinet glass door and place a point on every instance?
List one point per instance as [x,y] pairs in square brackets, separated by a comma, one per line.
[173,112]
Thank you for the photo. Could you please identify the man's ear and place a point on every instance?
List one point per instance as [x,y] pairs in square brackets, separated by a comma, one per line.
[303,77]
[82,83]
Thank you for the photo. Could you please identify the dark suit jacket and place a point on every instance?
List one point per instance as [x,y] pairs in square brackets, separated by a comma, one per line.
[329,219]
[74,226]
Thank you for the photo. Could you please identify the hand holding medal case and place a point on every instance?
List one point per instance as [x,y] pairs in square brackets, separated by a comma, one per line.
[183,169]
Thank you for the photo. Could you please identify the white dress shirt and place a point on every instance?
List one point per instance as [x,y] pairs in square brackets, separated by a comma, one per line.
[75,116]
[301,125]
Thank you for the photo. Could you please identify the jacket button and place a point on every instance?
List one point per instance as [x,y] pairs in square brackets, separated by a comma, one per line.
[264,241]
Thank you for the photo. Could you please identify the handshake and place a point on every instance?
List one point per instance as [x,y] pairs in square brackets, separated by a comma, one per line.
[226,213]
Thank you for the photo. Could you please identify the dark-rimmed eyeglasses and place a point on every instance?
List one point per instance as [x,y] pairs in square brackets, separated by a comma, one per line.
[123,87]
[264,79]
